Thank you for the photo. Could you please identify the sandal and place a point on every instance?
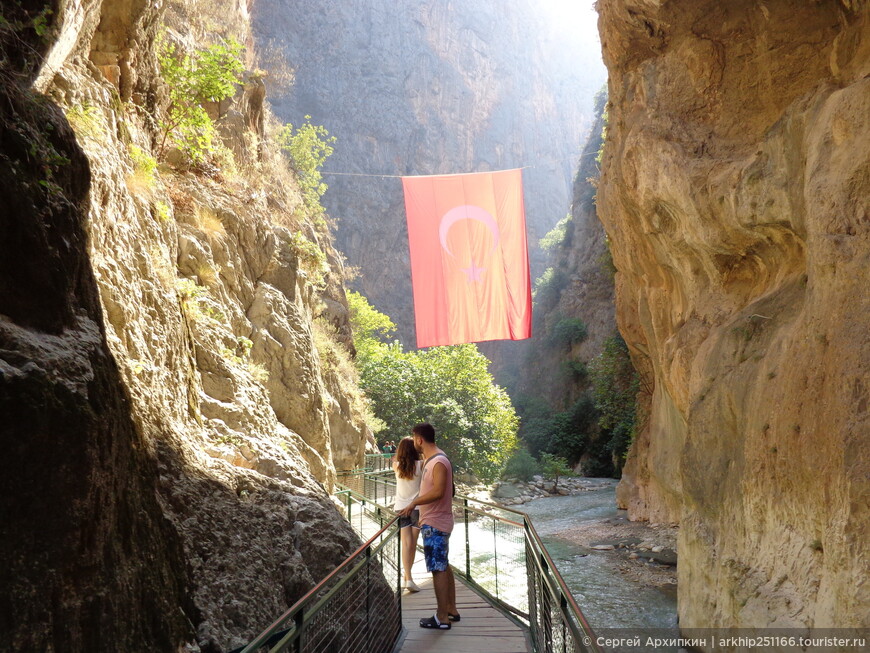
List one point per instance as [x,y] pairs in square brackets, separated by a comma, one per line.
[453,617]
[432,622]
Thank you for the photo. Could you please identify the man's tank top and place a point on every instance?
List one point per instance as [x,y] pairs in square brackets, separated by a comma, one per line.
[438,514]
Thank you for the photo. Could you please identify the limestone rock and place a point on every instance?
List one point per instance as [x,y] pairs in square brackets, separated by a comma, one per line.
[436,88]
[734,193]
[167,419]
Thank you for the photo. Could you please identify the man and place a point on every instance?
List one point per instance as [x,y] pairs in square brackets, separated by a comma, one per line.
[435,502]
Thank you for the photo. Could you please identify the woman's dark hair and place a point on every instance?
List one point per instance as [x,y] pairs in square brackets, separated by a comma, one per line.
[406,459]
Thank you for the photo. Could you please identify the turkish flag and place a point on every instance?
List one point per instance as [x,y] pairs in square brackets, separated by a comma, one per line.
[469,257]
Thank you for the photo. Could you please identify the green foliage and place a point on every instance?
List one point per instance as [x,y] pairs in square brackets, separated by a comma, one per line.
[308,147]
[569,331]
[600,103]
[548,288]
[574,370]
[371,328]
[144,166]
[537,432]
[86,120]
[311,258]
[571,434]
[556,235]
[554,466]
[573,429]
[615,385]
[451,387]
[206,75]
[521,465]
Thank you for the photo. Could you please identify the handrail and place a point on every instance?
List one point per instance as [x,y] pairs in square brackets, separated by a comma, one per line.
[291,625]
[541,573]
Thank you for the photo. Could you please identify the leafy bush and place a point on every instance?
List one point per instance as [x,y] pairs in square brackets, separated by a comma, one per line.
[206,75]
[575,370]
[615,384]
[144,166]
[521,465]
[537,432]
[308,147]
[556,235]
[573,429]
[554,466]
[451,387]
[311,258]
[548,288]
[569,331]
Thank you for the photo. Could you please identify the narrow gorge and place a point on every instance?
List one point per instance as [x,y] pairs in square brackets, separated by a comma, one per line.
[177,380]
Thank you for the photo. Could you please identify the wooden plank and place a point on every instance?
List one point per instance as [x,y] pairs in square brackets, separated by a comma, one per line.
[483,629]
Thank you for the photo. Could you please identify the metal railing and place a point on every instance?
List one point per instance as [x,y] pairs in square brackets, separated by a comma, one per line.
[377,462]
[357,608]
[497,551]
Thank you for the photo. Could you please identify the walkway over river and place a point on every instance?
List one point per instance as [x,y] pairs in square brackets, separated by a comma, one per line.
[509,593]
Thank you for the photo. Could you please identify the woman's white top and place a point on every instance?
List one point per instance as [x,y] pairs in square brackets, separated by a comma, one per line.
[407,489]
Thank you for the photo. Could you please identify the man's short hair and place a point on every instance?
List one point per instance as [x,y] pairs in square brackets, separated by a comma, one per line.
[425,431]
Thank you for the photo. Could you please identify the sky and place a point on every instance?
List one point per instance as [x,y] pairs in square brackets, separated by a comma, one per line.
[573,18]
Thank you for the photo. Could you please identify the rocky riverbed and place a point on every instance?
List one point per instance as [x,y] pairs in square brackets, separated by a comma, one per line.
[642,552]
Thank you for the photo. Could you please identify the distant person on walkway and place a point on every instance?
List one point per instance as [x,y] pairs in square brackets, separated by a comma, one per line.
[409,469]
[436,520]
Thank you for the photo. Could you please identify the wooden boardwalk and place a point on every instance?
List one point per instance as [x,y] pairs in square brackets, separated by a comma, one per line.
[483,629]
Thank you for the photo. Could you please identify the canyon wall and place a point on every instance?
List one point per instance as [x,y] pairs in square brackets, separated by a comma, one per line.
[431,87]
[735,188]
[580,287]
[173,389]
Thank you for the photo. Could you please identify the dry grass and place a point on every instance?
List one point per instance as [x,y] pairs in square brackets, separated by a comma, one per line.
[207,275]
[209,221]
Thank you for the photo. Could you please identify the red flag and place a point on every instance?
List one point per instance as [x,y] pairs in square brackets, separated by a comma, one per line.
[469,257]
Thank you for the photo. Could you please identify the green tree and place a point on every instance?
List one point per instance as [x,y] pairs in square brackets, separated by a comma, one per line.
[568,331]
[451,387]
[574,429]
[308,147]
[615,384]
[206,75]
[554,466]
[521,465]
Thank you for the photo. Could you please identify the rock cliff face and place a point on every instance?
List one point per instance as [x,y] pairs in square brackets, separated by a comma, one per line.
[172,412]
[735,192]
[430,88]
[581,287]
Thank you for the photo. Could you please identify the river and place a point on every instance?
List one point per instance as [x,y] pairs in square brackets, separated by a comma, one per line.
[607,597]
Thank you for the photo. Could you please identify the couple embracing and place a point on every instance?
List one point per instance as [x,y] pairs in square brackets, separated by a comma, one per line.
[424,501]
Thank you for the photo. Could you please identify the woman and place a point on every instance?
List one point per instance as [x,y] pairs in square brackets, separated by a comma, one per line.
[407,466]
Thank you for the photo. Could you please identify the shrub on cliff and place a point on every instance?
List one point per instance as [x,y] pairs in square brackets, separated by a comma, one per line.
[615,384]
[451,387]
[206,75]
[308,146]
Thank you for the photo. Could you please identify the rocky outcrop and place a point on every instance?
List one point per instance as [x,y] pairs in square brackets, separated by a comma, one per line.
[734,191]
[431,88]
[173,413]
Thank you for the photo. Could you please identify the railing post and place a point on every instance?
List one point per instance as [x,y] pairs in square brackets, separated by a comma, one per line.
[467,542]
[297,619]
[563,606]
[368,598]
[399,572]
[495,556]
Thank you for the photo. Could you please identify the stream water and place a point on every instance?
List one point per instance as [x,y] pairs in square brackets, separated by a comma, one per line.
[607,598]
